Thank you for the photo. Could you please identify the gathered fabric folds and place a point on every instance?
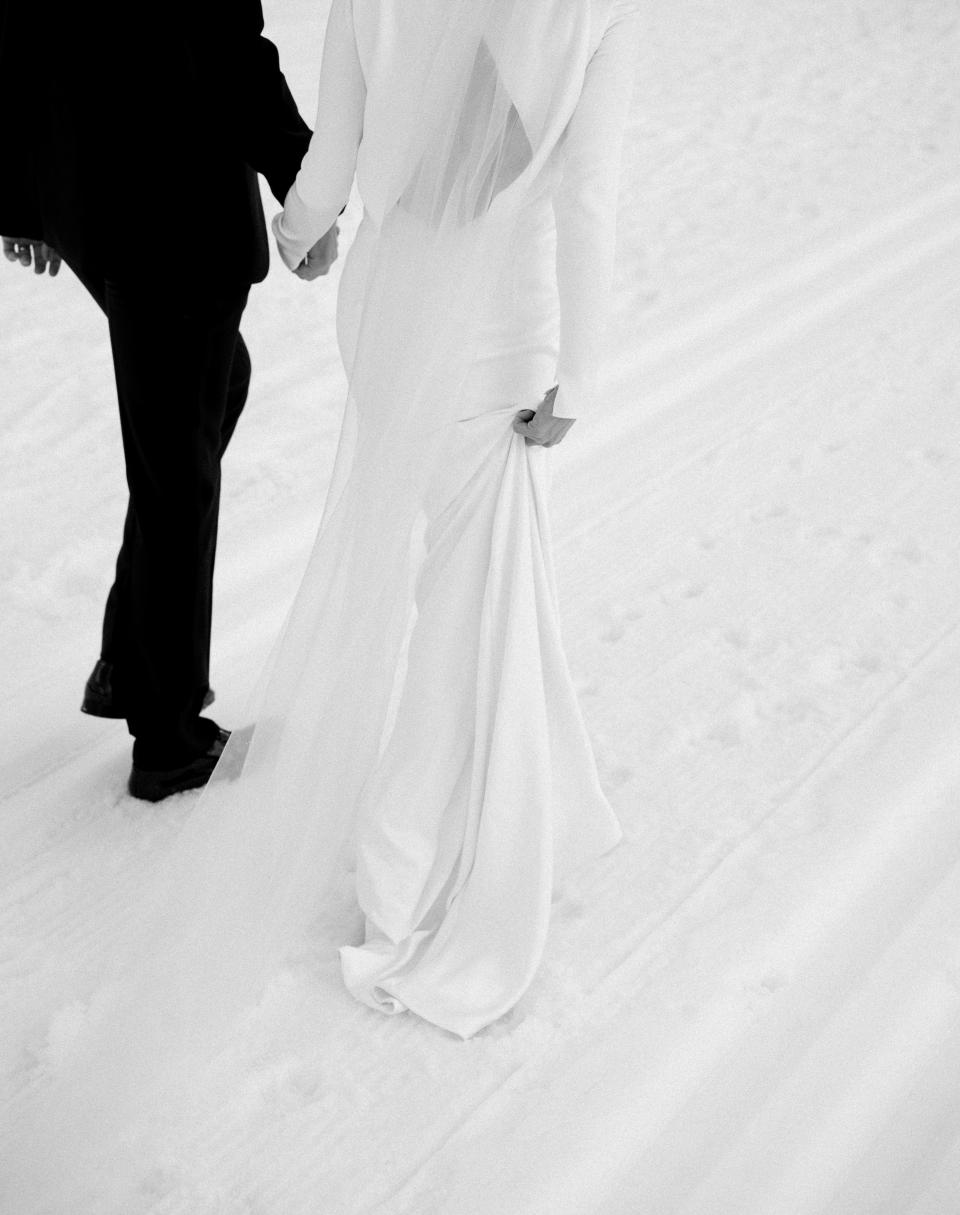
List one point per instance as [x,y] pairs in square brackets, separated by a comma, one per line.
[486,787]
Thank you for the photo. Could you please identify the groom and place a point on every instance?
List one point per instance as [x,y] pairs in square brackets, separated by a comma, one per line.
[134,138]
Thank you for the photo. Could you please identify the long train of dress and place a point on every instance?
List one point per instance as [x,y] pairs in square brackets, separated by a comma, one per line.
[486,791]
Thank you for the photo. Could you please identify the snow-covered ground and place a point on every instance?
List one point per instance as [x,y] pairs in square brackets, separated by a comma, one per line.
[752,1007]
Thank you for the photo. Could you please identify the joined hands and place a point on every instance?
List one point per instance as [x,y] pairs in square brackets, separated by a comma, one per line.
[321,257]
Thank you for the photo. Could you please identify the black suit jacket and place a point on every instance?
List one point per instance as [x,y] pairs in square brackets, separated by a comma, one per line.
[133,134]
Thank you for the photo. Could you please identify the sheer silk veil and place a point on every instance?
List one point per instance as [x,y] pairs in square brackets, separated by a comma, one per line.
[481,93]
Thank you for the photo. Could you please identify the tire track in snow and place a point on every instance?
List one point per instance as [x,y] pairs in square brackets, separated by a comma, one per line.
[722,338]
[700,777]
[858,1034]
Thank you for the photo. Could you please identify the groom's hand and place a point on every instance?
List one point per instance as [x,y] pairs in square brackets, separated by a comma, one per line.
[27,251]
[321,257]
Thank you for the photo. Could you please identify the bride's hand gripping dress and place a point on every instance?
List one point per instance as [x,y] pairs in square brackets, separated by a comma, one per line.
[481,792]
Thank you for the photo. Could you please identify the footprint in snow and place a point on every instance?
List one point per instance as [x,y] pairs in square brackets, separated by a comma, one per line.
[726,732]
[570,908]
[618,619]
[613,632]
[617,777]
[673,593]
[906,552]
[796,709]
[773,510]
[932,457]
[910,551]
[741,720]
[869,662]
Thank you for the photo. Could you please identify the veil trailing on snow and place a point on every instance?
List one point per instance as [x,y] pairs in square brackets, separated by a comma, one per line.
[479,97]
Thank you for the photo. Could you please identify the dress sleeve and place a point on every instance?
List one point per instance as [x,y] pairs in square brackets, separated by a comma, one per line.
[585,204]
[322,186]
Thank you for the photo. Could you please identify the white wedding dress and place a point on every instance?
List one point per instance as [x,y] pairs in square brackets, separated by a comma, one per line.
[417,754]
[483,793]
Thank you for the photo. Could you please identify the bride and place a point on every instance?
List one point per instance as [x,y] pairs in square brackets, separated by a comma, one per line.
[417,750]
[485,137]
[425,712]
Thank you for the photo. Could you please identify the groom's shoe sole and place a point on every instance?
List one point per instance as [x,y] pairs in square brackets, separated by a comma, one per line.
[155,786]
[99,699]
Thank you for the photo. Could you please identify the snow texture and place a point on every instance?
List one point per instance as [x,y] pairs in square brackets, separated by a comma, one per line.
[752,1007]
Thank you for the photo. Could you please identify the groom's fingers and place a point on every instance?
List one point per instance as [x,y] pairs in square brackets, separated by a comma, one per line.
[43,257]
[309,271]
[314,267]
[27,252]
[54,260]
[321,257]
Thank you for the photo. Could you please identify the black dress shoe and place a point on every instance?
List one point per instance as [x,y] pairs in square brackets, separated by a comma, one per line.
[155,786]
[99,699]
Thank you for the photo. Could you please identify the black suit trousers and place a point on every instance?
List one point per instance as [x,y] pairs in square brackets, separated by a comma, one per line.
[182,375]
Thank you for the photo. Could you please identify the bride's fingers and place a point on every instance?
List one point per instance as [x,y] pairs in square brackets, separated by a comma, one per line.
[556,431]
[541,429]
[563,426]
[527,431]
[554,436]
